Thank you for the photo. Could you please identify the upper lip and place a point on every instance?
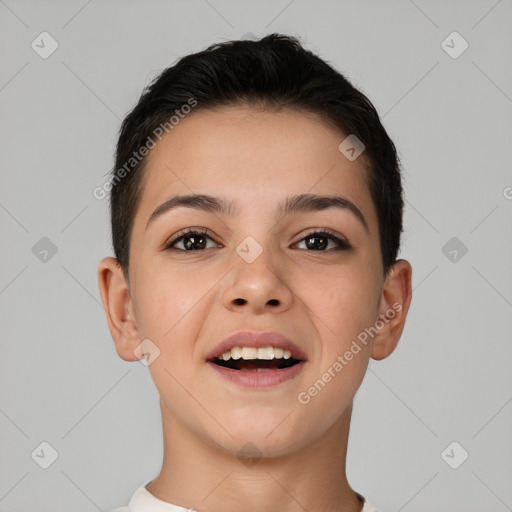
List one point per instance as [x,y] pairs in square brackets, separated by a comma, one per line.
[256,339]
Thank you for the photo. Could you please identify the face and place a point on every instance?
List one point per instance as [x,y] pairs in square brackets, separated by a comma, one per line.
[255,268]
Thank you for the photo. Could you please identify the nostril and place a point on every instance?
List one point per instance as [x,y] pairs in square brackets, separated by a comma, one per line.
[240,301]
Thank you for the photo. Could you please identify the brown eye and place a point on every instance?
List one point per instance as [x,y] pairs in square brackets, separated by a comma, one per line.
[319,241]
[193,240]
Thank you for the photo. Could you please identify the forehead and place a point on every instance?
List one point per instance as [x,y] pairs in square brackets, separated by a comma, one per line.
[252,157]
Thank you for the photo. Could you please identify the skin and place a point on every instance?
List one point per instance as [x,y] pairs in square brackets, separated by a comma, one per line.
[186,303]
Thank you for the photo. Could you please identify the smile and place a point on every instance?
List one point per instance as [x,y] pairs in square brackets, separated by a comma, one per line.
[256,359]
[250,371]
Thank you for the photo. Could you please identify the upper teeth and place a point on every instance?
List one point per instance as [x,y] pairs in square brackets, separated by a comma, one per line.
[256,353]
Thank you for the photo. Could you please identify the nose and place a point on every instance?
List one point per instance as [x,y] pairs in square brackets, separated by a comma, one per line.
[259,285]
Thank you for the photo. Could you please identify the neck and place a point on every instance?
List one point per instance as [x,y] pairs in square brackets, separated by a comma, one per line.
[197,474]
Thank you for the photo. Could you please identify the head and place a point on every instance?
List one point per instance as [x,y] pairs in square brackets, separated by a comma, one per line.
[260,125]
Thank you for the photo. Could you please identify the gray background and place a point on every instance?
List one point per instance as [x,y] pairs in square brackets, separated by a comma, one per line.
[449,379]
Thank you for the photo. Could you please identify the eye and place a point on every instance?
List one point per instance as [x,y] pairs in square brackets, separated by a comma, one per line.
[196,239]
[193,240]
[318,240]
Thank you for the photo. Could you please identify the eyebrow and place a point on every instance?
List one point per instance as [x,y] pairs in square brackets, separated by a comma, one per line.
[296,204]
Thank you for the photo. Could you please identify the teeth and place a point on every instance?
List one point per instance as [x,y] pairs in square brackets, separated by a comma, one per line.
[266,353]
[249,353]
[278,353]
[236,353]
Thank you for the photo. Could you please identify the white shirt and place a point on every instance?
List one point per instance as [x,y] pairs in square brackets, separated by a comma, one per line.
[143,501]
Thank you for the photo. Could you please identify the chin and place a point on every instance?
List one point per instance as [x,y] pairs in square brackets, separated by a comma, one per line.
[267,442]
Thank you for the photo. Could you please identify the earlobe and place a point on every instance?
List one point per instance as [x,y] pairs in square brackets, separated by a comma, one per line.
[115,295]
[394,305]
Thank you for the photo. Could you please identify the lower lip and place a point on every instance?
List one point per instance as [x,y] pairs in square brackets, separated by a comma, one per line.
[258,378]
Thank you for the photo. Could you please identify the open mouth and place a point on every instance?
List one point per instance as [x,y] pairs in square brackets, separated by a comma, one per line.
[256,364]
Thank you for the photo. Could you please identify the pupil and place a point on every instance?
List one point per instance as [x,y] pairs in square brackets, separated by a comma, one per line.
[197,242]
[312,245]
[194,244]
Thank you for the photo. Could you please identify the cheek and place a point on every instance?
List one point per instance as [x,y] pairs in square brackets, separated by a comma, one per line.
[350,305]
[168,300]
[331,391]
[170,317]
[343,304]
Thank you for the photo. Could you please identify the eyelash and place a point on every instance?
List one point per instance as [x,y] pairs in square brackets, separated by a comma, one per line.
[343,245]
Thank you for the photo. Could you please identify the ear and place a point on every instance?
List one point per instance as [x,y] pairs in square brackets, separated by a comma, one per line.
[393,308]
[115,295]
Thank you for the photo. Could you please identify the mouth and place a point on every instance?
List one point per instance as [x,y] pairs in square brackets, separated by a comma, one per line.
[256,364]
[257,373]
[257,360]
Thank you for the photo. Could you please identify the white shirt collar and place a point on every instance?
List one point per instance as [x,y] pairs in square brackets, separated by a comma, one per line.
[143,501]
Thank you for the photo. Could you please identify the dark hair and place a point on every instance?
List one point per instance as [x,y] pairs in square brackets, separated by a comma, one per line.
[272,73]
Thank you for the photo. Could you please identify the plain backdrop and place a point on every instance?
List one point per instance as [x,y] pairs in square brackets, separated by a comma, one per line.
[432,424]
